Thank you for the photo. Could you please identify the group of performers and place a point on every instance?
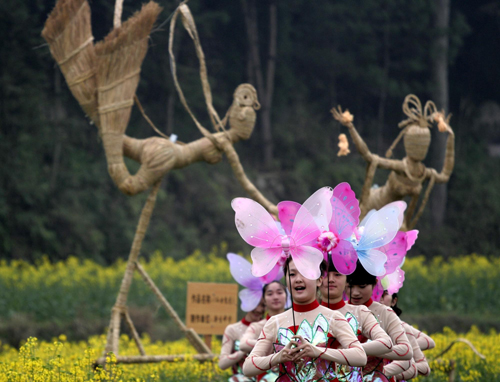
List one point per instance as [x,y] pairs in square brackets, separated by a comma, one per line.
[326,257]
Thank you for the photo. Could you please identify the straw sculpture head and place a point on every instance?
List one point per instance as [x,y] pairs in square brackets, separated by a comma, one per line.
[69,35]
[416,132]
[242,115]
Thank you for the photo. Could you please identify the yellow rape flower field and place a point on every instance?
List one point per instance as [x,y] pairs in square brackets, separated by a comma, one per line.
[465,286]
[66,361]
[74,361]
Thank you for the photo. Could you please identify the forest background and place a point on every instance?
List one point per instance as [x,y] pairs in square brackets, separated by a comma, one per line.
[56,197]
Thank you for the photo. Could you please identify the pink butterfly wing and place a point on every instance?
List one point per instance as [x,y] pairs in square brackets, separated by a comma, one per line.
[264,260]
[305,229]
[287,211]
[378,291]
[344,257]
[395,251]
[307,260]
[396,280]
[275,274]
[255,225]
[411,238]
[345,211]
[241,270]
[318,205]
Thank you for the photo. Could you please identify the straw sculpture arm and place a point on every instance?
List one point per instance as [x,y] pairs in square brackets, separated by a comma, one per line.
[346,119]
[241,114]
[449,159]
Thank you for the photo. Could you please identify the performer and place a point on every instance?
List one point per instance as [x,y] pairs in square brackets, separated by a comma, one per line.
[424,341]
[296,340]
[275,299]
[360,286]
[252,302]
[420,366]
[230,354]
[360,317]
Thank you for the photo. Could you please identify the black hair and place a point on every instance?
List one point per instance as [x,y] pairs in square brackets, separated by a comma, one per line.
[361,277]
[331,266]
[322,267]
[272,282]
[396,309]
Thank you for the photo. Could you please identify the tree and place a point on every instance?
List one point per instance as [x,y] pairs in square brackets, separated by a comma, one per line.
[441,99]
[265,87]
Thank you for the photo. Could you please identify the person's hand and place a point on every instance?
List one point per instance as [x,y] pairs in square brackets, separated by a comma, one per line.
[304,349]
[287,354]
[239,355]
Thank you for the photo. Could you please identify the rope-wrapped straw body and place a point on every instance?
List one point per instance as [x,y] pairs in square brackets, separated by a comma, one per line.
[397,187]
[119,58]
[69,35]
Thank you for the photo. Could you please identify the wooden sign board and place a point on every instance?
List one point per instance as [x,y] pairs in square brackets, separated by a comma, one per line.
[211,307]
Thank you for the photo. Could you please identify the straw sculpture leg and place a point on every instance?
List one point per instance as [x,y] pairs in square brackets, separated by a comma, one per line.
[120,311]
[121,300]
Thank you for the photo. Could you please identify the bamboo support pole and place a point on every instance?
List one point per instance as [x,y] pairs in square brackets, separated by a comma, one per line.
[160,358]
[121,300]
[149,282]
[191,335]
[135,335]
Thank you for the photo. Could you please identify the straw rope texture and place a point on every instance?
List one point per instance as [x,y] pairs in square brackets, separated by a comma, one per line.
[407,175]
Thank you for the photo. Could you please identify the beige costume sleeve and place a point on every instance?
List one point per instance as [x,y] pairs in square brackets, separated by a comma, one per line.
[424,341]
[380,341]
[418,363]
[352,353]
[410,373]
[401,347]
[249,339]
[419,357]
[262,355]
[227,358]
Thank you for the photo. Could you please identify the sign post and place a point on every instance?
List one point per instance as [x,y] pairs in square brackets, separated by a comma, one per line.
[211,307]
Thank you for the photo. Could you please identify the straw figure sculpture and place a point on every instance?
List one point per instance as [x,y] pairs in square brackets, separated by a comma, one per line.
[103,78]
[407,175]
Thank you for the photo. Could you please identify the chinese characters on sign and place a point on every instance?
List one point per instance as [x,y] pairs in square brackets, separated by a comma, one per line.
[211,307]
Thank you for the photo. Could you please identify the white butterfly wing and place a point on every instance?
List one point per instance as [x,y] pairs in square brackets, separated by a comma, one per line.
[381,227]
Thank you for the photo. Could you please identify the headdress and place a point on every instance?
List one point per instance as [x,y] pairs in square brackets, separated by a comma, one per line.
[240,269]
[394,278]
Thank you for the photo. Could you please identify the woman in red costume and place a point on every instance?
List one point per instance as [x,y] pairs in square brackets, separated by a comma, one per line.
[296,340]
